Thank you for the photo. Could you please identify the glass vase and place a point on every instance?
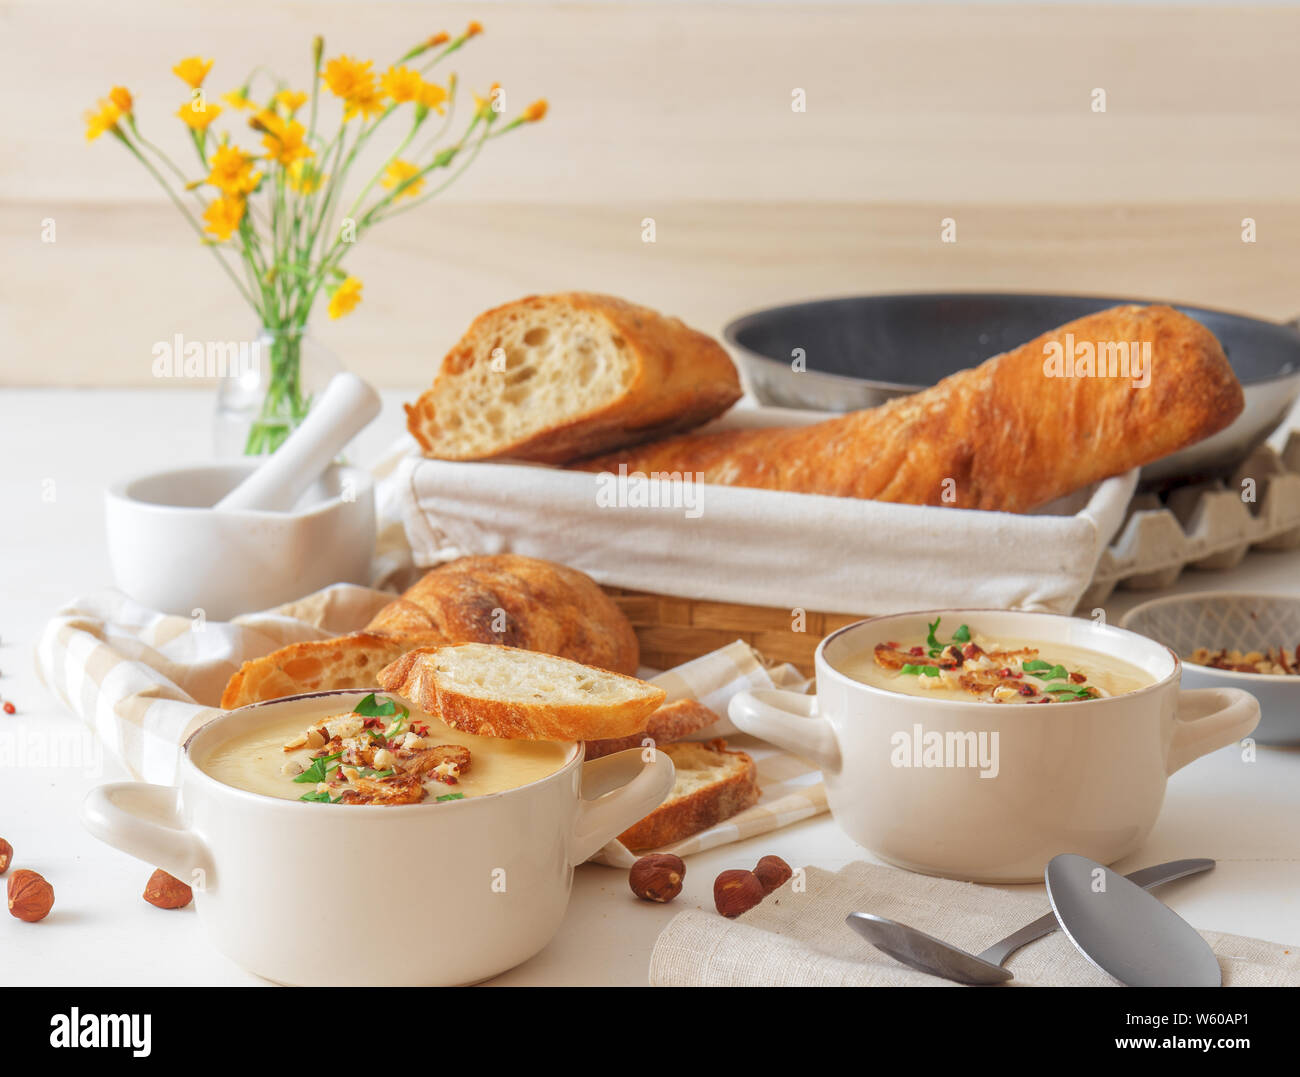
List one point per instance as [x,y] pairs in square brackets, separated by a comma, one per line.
[267,396]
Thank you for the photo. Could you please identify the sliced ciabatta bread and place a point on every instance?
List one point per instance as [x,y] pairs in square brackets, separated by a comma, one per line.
[507,692]
[712,784]
[553,378]
[671,722]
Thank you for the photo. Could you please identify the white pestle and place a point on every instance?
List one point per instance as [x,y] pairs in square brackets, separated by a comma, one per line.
[346,406]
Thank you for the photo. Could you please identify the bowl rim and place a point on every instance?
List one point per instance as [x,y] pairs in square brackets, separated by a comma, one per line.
[1155,686]
[1214,671]
[577,756]
[740,321]
[116,493]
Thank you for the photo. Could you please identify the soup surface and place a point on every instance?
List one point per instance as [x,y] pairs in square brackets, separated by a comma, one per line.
[969,666]
[378,754]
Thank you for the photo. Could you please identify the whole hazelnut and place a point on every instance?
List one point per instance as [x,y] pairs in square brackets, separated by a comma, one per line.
[30,896]
[6,855]
[166,891]
[736,891]
[772,872]
[657,877]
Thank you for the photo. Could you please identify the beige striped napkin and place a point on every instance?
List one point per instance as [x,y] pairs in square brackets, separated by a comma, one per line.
[798,938]
[144,681]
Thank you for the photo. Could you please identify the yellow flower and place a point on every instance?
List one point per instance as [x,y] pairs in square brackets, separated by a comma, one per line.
[354,82]
[348,78]
[535,111]
[304,178]
[232,172]
[474,29]
[283,139]
[193,70]
[483,106]
[97,122]
[402,84]
[222,216]
[345,298]
[432,96]
[121,97]
[291,100]
[399,171]
[236,99]
[368,103]
[198,113]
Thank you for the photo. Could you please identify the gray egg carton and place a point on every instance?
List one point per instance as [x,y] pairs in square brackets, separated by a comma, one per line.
[1207,525]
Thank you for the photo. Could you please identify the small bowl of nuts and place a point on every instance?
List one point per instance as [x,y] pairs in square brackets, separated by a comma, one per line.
[1234,639]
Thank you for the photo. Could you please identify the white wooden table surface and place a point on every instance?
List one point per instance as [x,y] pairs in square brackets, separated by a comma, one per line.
[58,448]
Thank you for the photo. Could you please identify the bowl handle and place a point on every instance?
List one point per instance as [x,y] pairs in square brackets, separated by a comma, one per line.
[1208,719]
[144,821]
[790,721]
[608,814]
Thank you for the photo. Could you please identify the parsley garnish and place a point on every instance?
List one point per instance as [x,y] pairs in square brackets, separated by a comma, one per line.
[372,708]
[1068,692]
[928,671]
[320,798]
[319,769]
[962,635]
[451,796]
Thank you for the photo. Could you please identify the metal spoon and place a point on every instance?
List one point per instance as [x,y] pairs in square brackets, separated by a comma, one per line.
[928,954]
[1126,932]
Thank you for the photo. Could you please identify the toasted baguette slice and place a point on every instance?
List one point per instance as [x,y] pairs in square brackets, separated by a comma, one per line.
[712,784]
[673,721]
[574,374]
[507,692]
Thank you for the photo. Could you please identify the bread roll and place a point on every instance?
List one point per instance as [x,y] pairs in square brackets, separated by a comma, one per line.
[573,374]
[1003,436]
[505,599]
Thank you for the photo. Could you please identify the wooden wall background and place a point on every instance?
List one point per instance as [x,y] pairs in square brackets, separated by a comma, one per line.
[680,112]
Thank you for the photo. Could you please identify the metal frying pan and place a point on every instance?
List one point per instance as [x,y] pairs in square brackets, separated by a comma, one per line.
[860,351]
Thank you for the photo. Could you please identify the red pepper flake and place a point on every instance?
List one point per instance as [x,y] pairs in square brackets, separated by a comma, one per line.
[1078,678]
[972,650]
[1027,690]
[9,708]
[372,723]
[918,651]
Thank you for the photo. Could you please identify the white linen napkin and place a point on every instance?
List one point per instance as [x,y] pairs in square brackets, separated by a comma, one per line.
[798,938]
[762,547]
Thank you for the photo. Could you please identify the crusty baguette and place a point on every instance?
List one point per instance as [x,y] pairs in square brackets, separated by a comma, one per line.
[712,784]
[575,374]
[504,598]
[1003,436]
[671,722]
[506,692]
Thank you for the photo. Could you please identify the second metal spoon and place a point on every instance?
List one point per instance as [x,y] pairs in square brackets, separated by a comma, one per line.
[927,954]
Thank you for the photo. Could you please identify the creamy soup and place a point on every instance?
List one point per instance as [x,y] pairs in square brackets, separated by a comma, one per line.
[968,666]
[379,754]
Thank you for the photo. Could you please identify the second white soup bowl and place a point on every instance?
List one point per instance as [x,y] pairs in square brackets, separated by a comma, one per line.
[1086,777]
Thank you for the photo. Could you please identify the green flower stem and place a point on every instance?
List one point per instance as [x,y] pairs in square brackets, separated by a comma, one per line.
[198,228]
